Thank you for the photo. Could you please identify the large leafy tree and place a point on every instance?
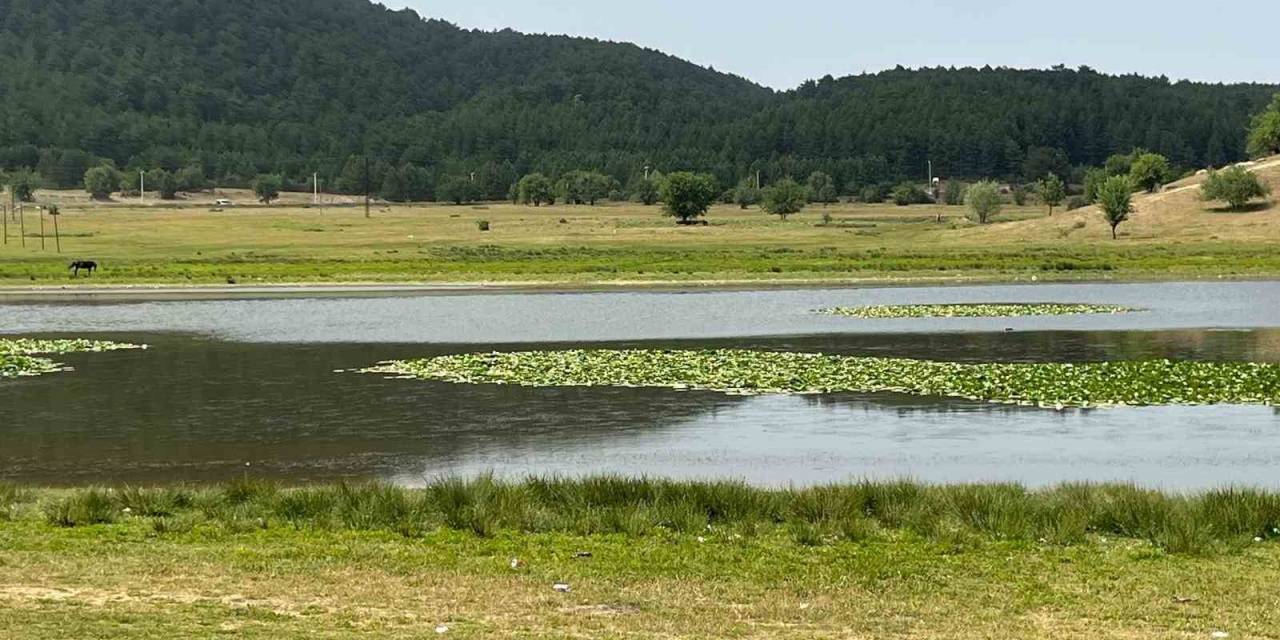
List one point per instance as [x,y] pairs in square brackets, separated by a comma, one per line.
[746,194]
[267,187]
[101,181]
[1264,131]
[23,184]
[785,197]
[822,188]
[535,189]
[687,195]
[1149,171]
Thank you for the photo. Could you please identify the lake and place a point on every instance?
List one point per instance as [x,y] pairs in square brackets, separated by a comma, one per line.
[235,386]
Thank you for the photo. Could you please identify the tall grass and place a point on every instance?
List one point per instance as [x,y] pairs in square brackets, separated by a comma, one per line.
[485,506]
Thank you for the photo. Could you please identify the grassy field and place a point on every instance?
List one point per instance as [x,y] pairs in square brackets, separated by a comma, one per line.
[1172,235]
[640,559]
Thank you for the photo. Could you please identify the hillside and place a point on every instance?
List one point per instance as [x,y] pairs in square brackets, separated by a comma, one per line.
[241,87]
[1175,215]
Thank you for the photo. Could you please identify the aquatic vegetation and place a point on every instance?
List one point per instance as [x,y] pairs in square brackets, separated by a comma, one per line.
[643,507]
[18,355]
[995,310]
[1156,382]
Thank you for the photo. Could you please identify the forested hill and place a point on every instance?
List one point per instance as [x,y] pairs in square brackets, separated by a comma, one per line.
[242,87]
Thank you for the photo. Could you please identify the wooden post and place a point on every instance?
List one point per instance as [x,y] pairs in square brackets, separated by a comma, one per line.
[22,224]
[42,228]
[4,214]
[57,239]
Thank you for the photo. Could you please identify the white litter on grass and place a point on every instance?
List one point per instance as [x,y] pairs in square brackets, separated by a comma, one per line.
[516,563]
[560,587]
[442,629]
[1219,634]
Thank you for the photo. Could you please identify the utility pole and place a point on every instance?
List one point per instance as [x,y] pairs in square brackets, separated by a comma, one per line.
[366,186]
[757,179]
[315,181]
[646,172]
[142,186]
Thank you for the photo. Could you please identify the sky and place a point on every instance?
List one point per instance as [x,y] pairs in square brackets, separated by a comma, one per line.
[782,43]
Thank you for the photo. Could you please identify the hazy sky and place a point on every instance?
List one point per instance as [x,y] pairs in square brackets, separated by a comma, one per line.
[782,43]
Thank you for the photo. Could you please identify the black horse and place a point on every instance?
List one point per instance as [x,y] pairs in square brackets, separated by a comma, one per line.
[87,265]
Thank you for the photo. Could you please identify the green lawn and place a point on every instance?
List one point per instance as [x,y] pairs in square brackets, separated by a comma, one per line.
[692,560]
[623,244]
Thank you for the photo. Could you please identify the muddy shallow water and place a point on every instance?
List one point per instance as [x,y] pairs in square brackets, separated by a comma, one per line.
[231,387]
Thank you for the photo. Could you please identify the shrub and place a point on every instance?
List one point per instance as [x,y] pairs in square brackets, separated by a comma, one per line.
[1236,186]
[873,194]
[907,194]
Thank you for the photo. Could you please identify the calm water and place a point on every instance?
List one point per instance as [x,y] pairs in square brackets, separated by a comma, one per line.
[230,386]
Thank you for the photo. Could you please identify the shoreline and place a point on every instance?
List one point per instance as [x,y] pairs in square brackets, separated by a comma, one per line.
[143,292]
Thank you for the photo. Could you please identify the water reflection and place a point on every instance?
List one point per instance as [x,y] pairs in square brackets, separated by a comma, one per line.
[194,408]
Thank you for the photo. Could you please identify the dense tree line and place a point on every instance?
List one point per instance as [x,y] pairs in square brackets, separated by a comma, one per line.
[419,109]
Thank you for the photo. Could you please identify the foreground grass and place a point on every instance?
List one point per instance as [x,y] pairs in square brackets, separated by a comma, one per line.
[641,558]
[615,244]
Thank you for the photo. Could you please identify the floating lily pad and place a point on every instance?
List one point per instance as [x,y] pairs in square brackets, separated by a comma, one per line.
[18,356]
[974,310]
[1156,382]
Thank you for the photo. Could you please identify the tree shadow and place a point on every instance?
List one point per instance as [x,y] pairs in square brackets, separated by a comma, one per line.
[1252,207]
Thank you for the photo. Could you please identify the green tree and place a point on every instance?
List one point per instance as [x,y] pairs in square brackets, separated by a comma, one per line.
[267,187]
[1115,198]
[1236,186]
[535,189]
[822,188]
[746,194]
[1149,171]
[163,182]
[23,183]
[954,192]
[1019,193]
[1093,179]
[688,195]
[874,194]
[456,189]
[984,200]
[1264,131]
[101,181]
[584,187]
[907,194]
[785,197]
[191,179]
[1052,191]
[647,190]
